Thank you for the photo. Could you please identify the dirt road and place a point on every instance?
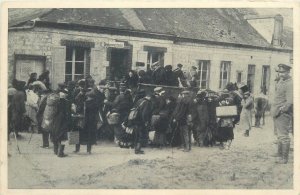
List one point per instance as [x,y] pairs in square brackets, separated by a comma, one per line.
[247,165]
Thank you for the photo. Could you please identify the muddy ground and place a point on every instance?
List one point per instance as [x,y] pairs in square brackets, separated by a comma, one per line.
[246,165]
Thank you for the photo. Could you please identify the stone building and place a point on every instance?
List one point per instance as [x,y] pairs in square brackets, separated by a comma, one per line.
[226,45]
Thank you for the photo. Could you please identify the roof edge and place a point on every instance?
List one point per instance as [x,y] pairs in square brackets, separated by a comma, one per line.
[147,34]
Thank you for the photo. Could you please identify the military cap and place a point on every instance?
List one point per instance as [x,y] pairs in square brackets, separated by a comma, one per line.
[157,89]
[283,68]
[185,92]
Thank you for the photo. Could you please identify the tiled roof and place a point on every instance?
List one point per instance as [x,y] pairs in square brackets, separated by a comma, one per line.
[210,24]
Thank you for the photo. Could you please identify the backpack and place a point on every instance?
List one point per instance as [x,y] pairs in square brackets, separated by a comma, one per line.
[50,111]
[133,114]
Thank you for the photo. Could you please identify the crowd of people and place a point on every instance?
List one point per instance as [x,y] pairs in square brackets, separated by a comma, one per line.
[125,112]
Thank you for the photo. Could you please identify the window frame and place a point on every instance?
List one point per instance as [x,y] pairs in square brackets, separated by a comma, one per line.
[201,63]
[73,61]
[222,71]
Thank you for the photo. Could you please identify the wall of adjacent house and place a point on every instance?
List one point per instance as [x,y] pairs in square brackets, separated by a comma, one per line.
[47,42]
[188,54]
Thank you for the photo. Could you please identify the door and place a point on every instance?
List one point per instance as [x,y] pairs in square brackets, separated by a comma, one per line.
[24,67]
[119,64]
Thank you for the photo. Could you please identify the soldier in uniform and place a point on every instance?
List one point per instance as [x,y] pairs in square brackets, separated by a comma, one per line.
[282,113]
[178,74]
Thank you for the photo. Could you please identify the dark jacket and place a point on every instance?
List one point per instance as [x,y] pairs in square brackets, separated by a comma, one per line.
[183,108]
[18,109]
[179,74]
[145,111]
[122,105]
[88,134]
[62,121]
[158,76]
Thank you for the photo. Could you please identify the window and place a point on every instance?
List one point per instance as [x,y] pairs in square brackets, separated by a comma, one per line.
[251,77]
[265,80]
[154,57]
[224,74]
[75,63]
[239,76]
[203,72]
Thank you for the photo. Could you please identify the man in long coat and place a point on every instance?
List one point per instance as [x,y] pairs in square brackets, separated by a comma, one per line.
[142,122]
[180,115]
[283,111]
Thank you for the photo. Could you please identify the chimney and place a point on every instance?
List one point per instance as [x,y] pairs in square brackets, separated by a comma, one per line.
[278,27]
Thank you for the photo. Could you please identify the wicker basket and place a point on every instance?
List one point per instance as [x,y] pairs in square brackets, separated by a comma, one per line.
[73,137]
[113,118]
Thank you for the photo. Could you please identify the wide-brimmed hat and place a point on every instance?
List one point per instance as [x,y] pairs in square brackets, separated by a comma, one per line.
[283,68]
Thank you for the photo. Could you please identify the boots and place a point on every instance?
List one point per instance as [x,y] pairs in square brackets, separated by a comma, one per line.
[89,148]
[246,134]
[55,148]
[285,154]
[61,149]
[138,149]
[279,150]
[77,148]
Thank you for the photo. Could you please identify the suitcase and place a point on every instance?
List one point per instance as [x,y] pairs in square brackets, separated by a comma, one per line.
[224,111]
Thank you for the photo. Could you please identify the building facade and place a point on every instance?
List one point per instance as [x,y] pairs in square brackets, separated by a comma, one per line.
[70,51]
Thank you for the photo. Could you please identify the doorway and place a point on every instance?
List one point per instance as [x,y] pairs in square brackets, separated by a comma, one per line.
[120,64]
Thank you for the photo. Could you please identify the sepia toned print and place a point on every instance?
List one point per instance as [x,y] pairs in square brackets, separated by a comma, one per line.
[150,98]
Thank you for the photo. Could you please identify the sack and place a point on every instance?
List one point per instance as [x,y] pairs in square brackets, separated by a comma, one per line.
[73,137]
[133,114]
[50,111]
[113,118]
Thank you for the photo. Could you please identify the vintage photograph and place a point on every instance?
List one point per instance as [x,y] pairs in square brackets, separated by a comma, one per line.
[150,98]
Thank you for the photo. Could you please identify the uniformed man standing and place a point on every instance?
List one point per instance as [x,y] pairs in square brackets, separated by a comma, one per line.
[282,113]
